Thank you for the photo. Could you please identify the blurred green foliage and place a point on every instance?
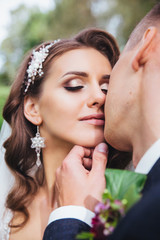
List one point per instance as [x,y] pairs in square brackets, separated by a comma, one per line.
[123,15]
[4,91]
[29,27]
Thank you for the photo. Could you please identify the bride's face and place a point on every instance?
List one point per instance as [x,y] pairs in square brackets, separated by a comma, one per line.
[71,105]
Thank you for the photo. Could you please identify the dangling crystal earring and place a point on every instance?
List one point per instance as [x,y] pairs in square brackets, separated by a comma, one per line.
[38,143]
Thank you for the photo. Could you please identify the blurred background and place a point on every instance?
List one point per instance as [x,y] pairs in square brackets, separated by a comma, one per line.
[26,23]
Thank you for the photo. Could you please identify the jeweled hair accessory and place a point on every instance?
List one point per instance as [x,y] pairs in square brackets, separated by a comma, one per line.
[35,66]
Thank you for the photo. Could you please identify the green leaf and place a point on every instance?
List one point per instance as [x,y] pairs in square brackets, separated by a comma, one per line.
[85,235]
[124,184]
[132,196]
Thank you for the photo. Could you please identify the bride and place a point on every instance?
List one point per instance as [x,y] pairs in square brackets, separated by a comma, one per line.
[55,102]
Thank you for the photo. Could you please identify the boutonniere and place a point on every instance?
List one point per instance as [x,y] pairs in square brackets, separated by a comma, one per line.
[122,192]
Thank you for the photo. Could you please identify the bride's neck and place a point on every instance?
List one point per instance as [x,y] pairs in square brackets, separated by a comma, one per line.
[52,159]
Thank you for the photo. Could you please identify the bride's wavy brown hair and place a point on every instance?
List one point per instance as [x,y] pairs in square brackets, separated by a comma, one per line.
[19,156]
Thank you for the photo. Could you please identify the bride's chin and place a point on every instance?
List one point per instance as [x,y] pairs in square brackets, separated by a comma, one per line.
[93,143]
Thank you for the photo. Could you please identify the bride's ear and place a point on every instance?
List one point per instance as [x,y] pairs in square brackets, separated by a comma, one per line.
[144,49]
[31,110]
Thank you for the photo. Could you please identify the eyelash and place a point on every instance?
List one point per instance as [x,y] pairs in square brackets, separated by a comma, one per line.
[73,88]
[104,91]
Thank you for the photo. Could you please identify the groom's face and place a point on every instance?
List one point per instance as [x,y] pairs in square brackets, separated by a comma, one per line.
[119,103]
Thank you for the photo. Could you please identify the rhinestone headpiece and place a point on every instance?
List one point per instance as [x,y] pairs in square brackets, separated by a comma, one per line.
[35,66]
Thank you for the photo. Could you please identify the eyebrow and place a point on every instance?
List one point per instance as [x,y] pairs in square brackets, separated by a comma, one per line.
[83,74]
[106,77]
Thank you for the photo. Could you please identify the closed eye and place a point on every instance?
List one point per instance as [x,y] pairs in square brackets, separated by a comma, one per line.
[104,88]
[104,91]
[73,89]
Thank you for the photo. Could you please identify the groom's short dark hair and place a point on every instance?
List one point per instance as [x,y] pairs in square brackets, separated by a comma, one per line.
[151,19]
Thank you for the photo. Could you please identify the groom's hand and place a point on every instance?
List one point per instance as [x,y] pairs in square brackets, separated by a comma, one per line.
[75,185]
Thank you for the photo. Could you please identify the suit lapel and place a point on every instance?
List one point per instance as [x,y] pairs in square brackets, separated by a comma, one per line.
[153,177]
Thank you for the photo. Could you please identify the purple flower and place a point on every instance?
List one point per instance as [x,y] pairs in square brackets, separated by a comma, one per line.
[107,216]
[101,206]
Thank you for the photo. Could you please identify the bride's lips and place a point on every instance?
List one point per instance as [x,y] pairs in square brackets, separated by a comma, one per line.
[94,119]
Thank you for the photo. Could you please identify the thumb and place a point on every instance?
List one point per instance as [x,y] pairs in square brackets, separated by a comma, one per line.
[99,159]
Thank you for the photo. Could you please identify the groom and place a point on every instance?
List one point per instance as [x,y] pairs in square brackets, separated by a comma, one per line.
[132,124]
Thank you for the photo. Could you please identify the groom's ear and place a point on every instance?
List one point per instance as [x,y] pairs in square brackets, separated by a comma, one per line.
[31,110]
[144,48]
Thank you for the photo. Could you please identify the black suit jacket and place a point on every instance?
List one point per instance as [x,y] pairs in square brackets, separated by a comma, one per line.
[142,222]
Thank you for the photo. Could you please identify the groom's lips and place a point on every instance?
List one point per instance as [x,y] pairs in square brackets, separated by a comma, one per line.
[94,119]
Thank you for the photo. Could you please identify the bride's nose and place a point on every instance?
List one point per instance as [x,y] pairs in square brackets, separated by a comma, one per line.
[96,98]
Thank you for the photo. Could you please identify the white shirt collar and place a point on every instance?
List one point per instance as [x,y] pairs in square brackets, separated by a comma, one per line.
[149,158]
